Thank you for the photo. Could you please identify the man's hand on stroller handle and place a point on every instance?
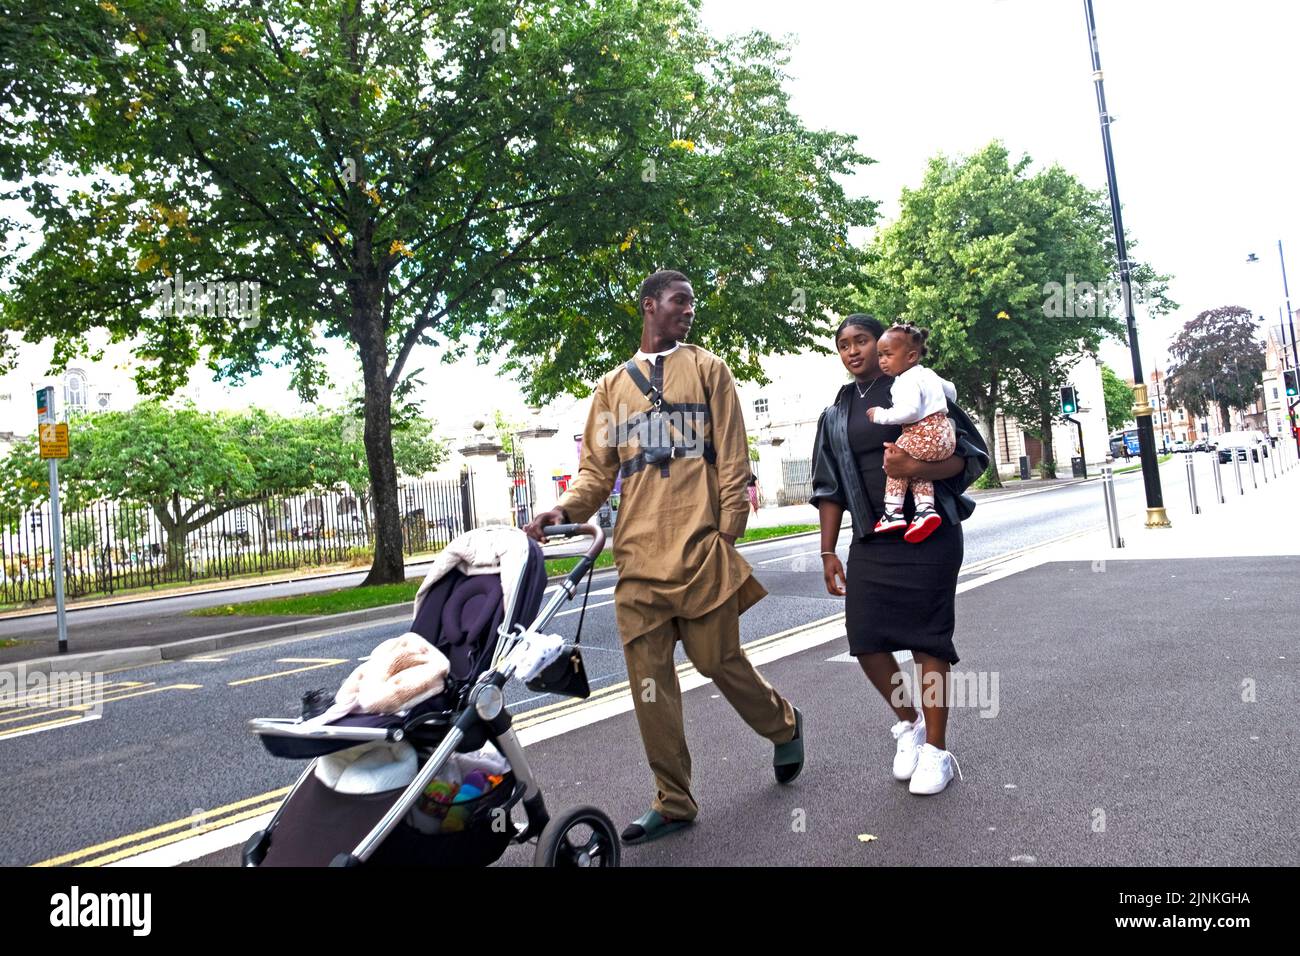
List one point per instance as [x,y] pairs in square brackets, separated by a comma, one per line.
[544,520]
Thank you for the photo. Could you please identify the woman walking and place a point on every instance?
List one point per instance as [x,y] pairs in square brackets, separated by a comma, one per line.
[898,595]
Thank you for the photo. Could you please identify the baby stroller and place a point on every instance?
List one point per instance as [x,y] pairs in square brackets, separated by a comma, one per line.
[478,620]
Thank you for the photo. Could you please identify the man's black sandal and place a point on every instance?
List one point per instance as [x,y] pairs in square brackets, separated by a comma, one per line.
[787,761]
[651,826]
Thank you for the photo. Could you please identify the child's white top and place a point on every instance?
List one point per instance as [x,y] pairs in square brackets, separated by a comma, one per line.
[918,392]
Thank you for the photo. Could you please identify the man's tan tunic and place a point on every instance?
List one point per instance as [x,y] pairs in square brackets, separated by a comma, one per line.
[671,560]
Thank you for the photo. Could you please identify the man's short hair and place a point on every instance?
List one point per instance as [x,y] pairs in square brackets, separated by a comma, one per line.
[655,284]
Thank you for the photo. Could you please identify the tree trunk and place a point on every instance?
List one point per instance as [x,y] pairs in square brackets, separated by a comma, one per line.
[989,416]
[175,530]
[1047,467]
[1225,423]
[389,566]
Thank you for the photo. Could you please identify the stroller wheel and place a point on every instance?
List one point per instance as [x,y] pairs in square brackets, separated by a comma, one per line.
[581,837]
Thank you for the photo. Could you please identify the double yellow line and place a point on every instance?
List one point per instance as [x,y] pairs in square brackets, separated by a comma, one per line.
[132,845]
[112,693]
[135,844]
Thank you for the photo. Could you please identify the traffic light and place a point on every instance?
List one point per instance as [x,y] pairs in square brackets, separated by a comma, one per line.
[1289,378]
[1069,401]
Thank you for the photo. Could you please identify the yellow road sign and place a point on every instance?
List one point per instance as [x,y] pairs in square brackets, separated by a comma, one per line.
[54,440]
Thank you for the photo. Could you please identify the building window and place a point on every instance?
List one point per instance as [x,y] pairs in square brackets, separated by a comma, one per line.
[1275,391]
[103,400]
[74,392]
[760,406]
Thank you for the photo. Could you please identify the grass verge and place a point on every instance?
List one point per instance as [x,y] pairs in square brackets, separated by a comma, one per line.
[1138,467]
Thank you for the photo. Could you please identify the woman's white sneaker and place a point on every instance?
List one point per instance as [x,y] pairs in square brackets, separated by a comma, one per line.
[933,770]
[910,735]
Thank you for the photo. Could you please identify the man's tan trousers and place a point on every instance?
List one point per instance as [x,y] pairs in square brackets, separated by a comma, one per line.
[712,642]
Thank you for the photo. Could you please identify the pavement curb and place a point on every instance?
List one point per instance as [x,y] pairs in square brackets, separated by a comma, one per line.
[184,592]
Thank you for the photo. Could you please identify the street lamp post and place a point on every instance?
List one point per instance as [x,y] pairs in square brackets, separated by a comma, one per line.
[1156,515]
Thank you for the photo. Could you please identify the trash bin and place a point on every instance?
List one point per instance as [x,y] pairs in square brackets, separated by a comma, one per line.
[1024,467]
[1078,466]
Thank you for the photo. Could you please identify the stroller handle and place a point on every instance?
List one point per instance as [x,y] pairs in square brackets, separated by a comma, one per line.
[595,532]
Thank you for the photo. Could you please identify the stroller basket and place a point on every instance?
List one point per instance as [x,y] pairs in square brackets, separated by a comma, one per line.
[314,809]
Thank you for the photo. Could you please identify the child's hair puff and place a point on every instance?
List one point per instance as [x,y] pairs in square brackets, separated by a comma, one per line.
[915,335]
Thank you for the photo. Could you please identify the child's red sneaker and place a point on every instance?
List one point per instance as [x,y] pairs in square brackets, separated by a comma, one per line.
[925,523]
[890,521]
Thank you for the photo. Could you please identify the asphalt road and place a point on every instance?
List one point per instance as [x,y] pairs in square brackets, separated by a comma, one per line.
[172,740]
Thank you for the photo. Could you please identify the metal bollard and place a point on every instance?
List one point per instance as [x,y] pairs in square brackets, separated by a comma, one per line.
[1272,462]
[1236,468]
[1263,468]
[1112,510]
[1250,463]
[1191,483]
[1218,475]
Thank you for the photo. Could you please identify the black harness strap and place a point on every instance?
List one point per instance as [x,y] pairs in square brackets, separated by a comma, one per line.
[653,390]
[637,462]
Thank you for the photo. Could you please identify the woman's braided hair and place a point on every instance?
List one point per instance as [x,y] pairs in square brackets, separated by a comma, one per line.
[916,336]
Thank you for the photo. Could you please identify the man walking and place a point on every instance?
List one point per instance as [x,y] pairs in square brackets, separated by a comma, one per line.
[670,423]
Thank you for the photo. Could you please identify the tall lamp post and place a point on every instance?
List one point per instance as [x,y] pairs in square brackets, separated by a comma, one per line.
[1156,515]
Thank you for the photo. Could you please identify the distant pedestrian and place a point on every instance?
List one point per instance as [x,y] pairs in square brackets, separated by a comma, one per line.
[752,491]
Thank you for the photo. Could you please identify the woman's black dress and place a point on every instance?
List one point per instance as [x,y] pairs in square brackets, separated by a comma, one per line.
[900,596]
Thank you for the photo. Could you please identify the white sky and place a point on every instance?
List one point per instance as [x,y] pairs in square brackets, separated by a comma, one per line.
[1205,137]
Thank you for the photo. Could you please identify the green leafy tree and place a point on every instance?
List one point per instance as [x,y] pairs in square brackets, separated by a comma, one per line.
[186,466]
[1118,395]
[1218,362]
[497,174]
[1011,271]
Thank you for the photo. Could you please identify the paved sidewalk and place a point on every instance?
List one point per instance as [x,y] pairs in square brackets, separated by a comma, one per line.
[1103,745]
[1164,738]
[1263,519]
[1131,707]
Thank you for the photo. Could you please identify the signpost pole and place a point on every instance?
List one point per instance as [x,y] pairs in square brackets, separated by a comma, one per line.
[57,527]
[53,440]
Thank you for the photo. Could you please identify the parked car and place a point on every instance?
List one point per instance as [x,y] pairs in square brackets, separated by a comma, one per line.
[1202,445]
[1180,447]
[1241,443]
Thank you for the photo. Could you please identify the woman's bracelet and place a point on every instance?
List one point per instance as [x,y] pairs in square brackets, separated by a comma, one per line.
[824,553]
